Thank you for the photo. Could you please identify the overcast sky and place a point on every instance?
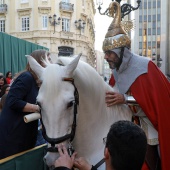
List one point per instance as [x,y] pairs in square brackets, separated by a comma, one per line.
[102,23]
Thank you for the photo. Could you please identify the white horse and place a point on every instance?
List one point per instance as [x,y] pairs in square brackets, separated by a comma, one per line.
[94,118]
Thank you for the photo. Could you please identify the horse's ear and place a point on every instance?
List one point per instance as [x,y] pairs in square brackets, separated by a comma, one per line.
[35,66]
[72,66]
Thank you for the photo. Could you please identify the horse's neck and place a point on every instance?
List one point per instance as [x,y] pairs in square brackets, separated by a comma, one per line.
[94,120]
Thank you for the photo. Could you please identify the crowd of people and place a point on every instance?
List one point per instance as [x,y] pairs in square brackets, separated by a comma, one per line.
[4,88]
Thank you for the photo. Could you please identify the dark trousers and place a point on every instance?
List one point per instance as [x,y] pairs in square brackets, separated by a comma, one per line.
[152,158]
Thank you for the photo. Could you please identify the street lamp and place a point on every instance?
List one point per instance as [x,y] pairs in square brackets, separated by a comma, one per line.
[125,8]
[80,24]
[54,22]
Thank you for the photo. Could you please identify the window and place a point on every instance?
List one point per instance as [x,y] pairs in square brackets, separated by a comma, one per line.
[25,24]
[2,25]
[66,1]
[149,24]
[149,38]
[153,44]
[140,45]
[153,31]
[149,31]
[65,24]
[140,25]
[145,17]
[154,4]
[149,5]
[158,44]
[140,7]
[154,17]
[140,38]
[44,22]
[158,24]
[158,10]
[149,18]
[2,2]
[153,24]
[159,31]
[154,11]
[24,1]
[140,18]
[158,17]
[149,44]
[140,32]
[145,5]
[140,12]
[149,12]
[159,4]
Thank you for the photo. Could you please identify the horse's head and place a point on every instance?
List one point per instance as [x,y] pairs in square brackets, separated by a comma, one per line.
[58,100]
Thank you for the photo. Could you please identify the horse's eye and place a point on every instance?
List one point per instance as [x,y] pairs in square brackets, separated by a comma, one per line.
[70,104]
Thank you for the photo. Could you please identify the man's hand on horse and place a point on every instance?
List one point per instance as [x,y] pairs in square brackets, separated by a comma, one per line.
[82,164]
[64,160]
[113,98]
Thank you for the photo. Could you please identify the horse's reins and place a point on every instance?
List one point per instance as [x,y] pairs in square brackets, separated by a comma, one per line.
[70,136]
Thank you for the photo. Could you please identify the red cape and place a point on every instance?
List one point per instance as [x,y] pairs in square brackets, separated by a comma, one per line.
[152,93]
[112,80]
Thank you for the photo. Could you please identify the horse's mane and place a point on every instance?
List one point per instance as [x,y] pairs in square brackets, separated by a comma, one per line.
[91,77]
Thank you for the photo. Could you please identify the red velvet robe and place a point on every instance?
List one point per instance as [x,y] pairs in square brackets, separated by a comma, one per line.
[152,92]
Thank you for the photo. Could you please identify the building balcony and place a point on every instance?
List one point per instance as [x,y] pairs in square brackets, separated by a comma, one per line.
[3,8]
[68,7]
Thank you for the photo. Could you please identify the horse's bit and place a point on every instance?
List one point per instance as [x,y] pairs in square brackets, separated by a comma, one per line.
[70,136]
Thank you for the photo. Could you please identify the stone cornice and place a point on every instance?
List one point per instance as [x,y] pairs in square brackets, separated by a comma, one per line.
[44,10]
[24,12]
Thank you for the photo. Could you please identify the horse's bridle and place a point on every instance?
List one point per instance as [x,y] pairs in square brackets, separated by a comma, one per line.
[70,136]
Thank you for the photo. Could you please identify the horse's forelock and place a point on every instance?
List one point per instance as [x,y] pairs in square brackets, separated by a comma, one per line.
[51,80]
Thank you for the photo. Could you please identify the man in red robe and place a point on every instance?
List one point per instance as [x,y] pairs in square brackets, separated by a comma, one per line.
[139,78]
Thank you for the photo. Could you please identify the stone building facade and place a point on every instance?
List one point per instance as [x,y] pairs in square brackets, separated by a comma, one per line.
[66,27]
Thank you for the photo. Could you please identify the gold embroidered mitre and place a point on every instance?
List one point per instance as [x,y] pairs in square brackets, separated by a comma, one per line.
[116,36]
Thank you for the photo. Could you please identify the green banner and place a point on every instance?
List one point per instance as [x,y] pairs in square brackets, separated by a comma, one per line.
[31,160]
[13,51]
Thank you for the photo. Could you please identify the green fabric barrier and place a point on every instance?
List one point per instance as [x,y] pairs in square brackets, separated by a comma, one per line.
[14,54]
[7,53]
[1,53]
[32,160]
[13,51]
[21,57]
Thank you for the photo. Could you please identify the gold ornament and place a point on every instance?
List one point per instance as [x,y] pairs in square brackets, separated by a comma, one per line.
[128,25]
[116,36]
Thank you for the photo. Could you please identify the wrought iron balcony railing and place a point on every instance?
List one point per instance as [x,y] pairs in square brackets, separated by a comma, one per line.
[66,6]
[3,8]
